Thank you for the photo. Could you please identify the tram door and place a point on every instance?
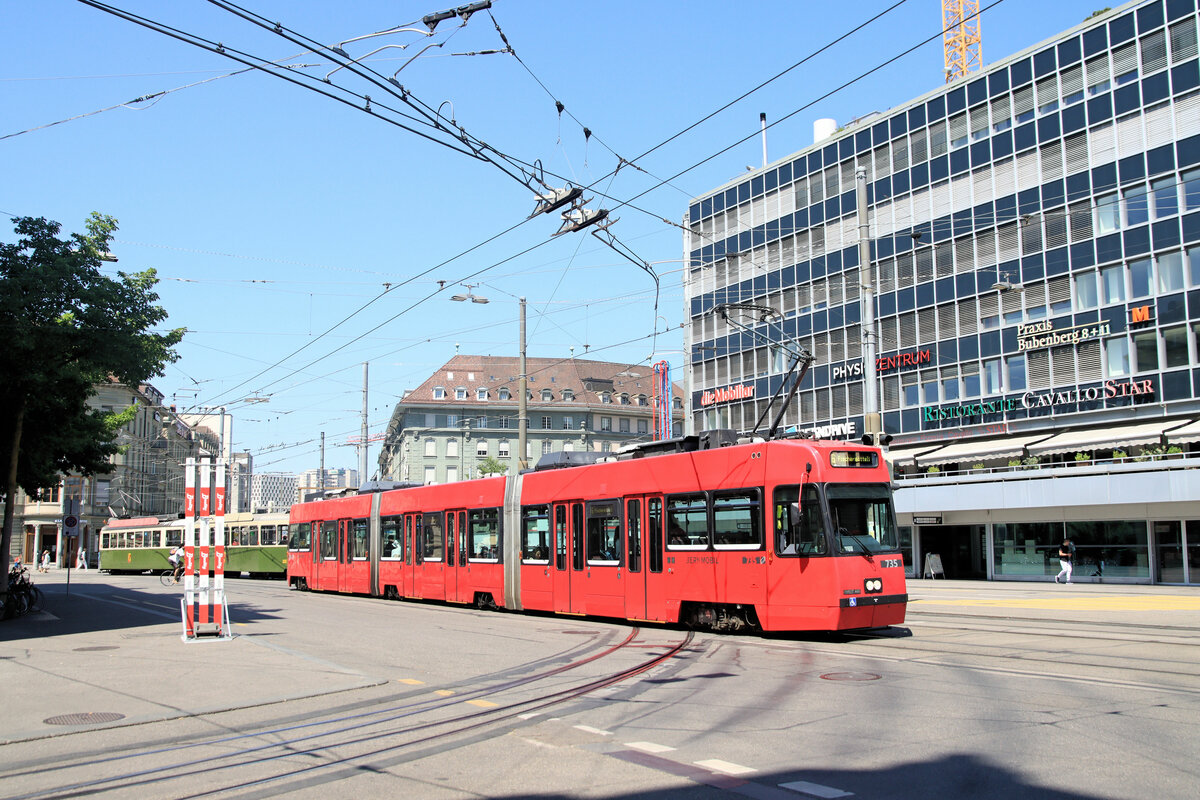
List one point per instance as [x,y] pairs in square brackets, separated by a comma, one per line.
[562,557]
[408,583]
[345,553]
[452,545]
[643,559]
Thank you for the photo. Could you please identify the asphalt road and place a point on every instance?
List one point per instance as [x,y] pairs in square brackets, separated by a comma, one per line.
[988,690]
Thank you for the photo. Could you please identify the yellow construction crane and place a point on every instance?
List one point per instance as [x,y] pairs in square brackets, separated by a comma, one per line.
[960,37]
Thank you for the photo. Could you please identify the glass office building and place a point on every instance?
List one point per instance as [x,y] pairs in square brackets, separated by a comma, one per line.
[1035,257]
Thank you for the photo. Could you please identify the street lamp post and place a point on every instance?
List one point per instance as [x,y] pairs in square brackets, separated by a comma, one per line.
[522,405]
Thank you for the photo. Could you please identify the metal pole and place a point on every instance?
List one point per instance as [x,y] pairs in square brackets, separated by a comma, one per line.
[362,452]
[322,476]
[872,420]
[522,409]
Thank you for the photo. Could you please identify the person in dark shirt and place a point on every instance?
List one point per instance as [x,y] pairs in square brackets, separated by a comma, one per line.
[1066,555]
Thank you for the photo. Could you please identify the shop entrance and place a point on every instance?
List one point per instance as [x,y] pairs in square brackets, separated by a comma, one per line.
[962,548]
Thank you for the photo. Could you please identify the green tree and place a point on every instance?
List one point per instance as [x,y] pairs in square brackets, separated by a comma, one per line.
[66,327]
[491,466]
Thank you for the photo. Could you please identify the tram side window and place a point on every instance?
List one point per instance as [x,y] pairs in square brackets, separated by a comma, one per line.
[736,520]
[604,532]
[687,522]
[249,536]
[535,534]
[806,538]
[654,511]
[156,539]
[393,542]
[329,541]
[174,537]
[560,537]
[360,539]
[302,537]
[484,534]
[267,535]
[634,517]
[104,539]
[434,540]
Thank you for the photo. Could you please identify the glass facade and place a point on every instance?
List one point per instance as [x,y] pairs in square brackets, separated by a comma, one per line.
[1070,173]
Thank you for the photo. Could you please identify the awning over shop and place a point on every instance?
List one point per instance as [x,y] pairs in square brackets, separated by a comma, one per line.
[1104,438]
[905,456]
[1011,447]
[1188,433]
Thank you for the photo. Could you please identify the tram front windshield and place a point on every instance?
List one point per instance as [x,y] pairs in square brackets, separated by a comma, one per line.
[861,514]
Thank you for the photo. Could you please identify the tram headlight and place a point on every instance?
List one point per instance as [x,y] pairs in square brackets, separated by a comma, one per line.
[873,585]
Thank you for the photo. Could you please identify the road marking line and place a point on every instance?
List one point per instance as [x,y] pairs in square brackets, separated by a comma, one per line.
[815,789]
[590,729]
[649,747]
[483,703]
[717,765]
[410,681]
[530,715]
[443,692]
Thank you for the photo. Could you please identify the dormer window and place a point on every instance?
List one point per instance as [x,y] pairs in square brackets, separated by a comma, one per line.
[505,394]
[605,397]
[547,395]
[677,403]
[481,394]
[439,393]
[568,394]
[641,400]
[460,393]
[624,399]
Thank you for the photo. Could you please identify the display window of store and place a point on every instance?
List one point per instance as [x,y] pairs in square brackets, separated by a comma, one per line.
[1103,549]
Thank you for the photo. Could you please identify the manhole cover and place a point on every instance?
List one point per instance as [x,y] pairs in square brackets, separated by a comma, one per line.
[86,718]
[850,676]
[96,648]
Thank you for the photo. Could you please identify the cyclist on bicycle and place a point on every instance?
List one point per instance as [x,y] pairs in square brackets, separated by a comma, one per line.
[176,559]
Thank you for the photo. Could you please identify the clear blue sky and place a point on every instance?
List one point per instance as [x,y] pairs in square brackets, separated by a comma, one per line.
[273,213]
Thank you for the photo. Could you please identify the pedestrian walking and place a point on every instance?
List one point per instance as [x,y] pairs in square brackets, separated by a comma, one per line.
[1066,555]
[45,565]
[82,563]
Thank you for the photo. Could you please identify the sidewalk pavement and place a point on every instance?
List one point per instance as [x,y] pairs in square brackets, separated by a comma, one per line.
[108,645]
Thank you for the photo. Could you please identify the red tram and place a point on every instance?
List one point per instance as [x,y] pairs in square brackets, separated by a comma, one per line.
[775,535]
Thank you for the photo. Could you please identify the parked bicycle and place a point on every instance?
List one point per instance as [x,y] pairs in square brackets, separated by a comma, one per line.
[23,596]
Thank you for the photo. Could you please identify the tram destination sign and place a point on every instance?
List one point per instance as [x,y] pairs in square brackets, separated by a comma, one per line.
[1037,335]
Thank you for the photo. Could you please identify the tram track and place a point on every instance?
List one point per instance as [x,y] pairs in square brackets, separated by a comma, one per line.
[351,731]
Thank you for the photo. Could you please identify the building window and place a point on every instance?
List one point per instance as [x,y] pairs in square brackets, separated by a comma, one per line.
[606,422]
[504,422]
[1085,291]
[1191,189]
[460,393]
[1140,278]
[1193,257]
[481,394]
[606,447]
[1108,214]
[1113,280]
[568,447]
[568,423]
[505,394]
[970,379]
[547,423]
[451,474]
[950,383]
[1145,346]
[452,448]
[1175,347]
[1166,197]
[481,448]
[1016,373]
[1170,272]
[1137,205]
[1117,351]
[502,450]
[909,390]
[430,447]
[546,445]
[605,397]
[430,475]
[547,395]
[480,422]
[439,393]
[568,394]
[643,426]
[624,399]
[623,425]
[641,400]
[929,385]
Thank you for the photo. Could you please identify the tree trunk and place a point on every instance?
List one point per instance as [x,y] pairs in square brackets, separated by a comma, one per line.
[10,500]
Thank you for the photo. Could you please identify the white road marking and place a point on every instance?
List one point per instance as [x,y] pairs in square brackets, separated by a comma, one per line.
[590,729]
[717,765]
[815,789]
[649,747]
[530,715]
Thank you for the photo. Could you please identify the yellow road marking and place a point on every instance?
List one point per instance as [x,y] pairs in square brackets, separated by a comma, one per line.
[410,681]
[483,703]
[443,692]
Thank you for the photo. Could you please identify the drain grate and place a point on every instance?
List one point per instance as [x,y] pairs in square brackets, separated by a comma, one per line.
[85,718]
[850,676]
[96,648]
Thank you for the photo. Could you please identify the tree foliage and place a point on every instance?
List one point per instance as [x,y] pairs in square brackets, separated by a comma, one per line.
[67,327]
